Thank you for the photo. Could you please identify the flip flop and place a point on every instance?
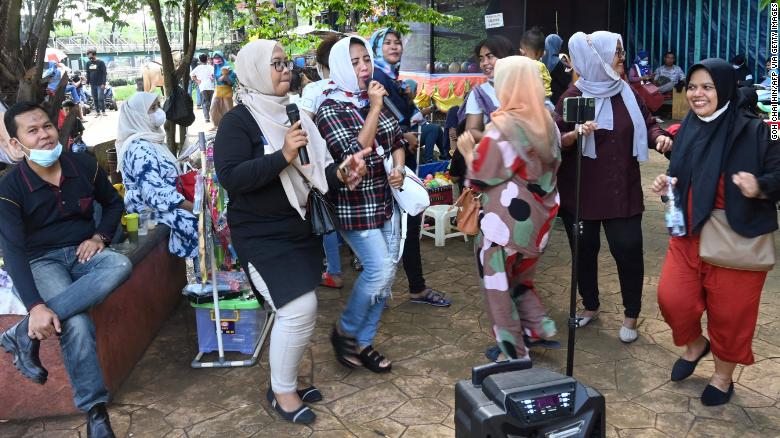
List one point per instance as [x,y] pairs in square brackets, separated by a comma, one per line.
[432,297]
[544,343]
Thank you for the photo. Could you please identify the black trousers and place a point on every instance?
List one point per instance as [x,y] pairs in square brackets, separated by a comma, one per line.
[411,256]
[624,236]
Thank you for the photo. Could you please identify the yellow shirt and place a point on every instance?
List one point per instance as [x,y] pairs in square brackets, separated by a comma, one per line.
[546,79]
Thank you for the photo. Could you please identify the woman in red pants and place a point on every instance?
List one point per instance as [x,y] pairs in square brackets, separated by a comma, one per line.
[723,159]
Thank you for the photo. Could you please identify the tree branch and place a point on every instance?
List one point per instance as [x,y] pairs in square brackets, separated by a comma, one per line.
[182,72]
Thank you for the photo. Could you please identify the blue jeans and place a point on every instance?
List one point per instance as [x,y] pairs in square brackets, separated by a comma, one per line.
[432,135]
[70,289]
[330,242]
[99,98]
[74,92]
[377,249]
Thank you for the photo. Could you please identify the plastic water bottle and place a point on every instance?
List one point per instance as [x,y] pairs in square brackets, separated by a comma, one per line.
[675,221]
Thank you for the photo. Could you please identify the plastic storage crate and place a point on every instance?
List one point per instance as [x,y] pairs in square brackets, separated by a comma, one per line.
[242,325]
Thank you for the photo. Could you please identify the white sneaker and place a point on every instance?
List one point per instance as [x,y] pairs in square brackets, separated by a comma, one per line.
[628,335]
[582,321]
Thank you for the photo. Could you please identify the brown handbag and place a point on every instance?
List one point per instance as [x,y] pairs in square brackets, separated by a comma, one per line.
[721,246]
[468,205]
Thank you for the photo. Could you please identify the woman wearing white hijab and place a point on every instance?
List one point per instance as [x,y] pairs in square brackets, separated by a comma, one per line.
[611,195]
[368,218]
[256,158]
[149,172]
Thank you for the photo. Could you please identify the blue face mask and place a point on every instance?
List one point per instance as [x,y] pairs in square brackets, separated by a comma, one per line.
[44,158]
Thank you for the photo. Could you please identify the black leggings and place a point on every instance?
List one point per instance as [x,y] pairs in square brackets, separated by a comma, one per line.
[624,236]
[411,257]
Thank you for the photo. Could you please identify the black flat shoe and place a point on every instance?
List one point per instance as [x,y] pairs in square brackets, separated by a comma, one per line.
[307,395]
[682,368]
[302,415]
[98,425]
[713,396]
[25,352]
[310,394]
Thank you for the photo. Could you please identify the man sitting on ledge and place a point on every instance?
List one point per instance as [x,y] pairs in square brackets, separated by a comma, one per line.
[57,257]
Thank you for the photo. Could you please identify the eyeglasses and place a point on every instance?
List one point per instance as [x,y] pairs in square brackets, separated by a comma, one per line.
[281,65]
[620,53]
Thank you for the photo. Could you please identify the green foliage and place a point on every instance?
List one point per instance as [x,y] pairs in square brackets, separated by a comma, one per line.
[472,23]
[267,20]
[764,4]
[127,91]
[114,11]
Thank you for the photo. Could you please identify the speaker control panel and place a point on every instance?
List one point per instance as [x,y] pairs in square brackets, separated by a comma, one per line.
[539,404]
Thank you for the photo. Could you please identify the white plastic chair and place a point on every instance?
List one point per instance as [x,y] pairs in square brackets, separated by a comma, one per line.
[442,228]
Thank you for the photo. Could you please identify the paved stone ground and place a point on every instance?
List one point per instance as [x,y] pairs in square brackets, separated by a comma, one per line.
[434,348]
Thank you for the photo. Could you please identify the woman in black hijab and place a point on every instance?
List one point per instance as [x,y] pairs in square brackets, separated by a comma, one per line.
[744,75]
[723,159]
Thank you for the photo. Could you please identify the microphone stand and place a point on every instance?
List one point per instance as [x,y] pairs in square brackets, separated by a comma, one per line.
[577,231]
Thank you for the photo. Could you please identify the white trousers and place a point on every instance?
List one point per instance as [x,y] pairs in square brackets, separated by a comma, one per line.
[290,335]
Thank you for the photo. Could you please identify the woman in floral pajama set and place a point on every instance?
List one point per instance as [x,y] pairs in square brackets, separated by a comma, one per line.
[514,167]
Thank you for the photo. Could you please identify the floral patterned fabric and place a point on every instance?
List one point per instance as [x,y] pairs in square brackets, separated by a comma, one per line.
[150,182]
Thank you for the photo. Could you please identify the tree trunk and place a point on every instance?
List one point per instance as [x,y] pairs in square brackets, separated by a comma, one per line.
[173,74]
[22,60]
[167,63]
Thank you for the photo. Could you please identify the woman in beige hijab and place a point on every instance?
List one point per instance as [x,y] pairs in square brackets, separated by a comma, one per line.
[256,158]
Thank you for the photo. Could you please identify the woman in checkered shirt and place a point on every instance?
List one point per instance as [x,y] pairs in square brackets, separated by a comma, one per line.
[352,119]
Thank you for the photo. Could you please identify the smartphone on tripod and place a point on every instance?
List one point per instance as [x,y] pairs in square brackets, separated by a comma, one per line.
[579,109]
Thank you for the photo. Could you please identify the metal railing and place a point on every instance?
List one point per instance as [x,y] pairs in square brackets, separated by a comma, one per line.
[79,44]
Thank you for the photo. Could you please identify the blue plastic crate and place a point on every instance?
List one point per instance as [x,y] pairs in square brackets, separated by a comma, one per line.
[241,326]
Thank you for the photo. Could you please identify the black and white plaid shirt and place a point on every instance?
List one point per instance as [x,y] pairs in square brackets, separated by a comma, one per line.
[371,203]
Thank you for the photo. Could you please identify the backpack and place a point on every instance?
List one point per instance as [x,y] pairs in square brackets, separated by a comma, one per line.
[178,107]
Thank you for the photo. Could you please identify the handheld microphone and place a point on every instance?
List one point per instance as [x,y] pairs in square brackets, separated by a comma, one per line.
[391,106]
[294,115]
[393,109]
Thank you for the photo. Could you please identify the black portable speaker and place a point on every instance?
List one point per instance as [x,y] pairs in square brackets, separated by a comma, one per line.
[508,399]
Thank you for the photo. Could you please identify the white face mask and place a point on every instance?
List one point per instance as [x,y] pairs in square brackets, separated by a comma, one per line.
[644,63]
[157,118]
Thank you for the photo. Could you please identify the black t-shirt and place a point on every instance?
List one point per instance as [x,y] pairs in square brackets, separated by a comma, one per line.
[266,230]
[96,72]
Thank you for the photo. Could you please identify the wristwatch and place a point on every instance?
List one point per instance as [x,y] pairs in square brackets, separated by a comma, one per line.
[103,238]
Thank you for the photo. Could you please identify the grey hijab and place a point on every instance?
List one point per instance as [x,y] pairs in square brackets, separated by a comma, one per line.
[592,58]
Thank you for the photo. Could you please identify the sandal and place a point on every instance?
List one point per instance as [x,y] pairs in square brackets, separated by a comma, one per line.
[372,360]
[432,297]
[356,264]
[492,353]
[345,348]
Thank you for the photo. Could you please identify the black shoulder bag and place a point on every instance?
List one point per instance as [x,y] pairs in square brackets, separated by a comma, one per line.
[319,210]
